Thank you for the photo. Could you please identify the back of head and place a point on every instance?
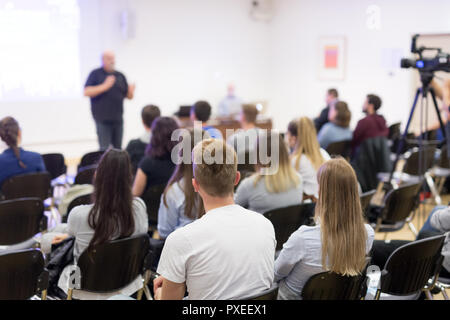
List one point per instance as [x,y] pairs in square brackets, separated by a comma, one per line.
[307,143]
[149,114]
[339,211]
[375,101]
[333,92]
[201,110]
[111,216]
[9,133]
[215,167]
[193,207]
[250,112]
[161,143]
[275,167]
[343,114]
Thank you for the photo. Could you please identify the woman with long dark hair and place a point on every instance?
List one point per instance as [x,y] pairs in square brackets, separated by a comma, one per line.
[157,167]
[180,203]
[15,160]
[114,214]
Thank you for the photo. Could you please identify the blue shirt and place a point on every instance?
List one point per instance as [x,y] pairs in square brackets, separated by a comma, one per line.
[9,165]
[331,133]
[213,132]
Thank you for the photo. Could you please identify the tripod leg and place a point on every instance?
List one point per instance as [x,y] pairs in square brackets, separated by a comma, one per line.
[433,95]
[405,133]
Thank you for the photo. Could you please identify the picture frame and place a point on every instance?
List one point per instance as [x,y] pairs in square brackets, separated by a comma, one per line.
[332,58]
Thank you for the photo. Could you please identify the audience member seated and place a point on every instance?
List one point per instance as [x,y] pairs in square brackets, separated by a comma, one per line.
[307,156]
[331,98]
[180,203]
[338,243]
[228,253]
[373,125]
[157,167]
[201,111]
[338,128]
[136,148]
[244,140]
[275,184]
[114,214]
[14,160]
[437,223]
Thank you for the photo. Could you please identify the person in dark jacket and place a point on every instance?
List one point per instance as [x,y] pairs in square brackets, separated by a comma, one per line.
[136,148]
[331,99]
[373,125]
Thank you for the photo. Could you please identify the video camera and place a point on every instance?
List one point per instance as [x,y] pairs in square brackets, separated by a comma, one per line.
[441,62]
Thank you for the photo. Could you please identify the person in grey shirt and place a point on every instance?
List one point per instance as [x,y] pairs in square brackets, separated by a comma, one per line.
[265,190]
[114,214]
[312,250]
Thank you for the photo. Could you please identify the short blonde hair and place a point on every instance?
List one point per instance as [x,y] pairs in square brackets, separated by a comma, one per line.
[215,167]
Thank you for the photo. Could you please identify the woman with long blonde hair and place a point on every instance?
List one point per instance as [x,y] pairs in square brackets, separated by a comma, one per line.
[275,184]
[307,156]
[338,243]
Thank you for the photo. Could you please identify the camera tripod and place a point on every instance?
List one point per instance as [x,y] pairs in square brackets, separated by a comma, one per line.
[422,93]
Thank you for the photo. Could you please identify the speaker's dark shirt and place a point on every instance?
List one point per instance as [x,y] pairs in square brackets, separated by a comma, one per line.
[108,106]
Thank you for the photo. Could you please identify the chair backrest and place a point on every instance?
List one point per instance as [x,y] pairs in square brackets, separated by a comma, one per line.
[55,164]
[78,201]
[394,131]
[20,220]
[412,165]
[22,274]
[444,161]
[341,148]
[85,175]
[409,268]
[365,198]
[287,220]
[152,199]
[400,202]
[27,186]
[332,286]
[113,265]
[269,294]
[89,159]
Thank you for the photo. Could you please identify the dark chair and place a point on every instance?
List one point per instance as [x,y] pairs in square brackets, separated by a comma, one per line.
[113,265]
[55,164]
[33,185]
[341,148]
[152,199]
[332,286]
[22,275]
[365,198]
[443,284]
[78,201]
[85,175]
[269,294]
[409,268]
[20,220]
[89,159]
[396,211]
[289,219]
[441,171]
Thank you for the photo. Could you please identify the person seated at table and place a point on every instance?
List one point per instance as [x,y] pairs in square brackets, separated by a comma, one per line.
[338,128]
[15,160]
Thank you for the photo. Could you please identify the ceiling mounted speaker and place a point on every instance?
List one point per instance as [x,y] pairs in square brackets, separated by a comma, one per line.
[262,10]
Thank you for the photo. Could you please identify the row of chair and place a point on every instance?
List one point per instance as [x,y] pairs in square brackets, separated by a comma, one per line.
[409,270]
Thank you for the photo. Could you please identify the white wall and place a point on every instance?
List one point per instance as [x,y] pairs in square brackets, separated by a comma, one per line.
[295,88]
[185,50]
[182,51]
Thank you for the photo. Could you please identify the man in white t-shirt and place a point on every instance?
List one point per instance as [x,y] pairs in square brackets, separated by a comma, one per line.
[229,252]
